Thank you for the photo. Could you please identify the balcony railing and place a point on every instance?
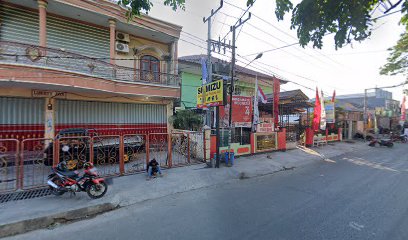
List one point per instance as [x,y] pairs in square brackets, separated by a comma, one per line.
[18,53]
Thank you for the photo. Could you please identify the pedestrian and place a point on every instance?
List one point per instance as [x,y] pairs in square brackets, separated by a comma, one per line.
[153,168]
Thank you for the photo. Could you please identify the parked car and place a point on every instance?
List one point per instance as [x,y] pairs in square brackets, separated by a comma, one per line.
[75,145]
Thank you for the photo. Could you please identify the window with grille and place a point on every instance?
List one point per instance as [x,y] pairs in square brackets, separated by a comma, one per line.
[150,69]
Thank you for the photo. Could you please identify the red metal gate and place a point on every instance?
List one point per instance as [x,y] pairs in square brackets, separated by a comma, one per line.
[9,151]
[37,157]
[136,155]
[26,164]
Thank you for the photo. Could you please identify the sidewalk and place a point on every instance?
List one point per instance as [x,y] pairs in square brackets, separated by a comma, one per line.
[26,215]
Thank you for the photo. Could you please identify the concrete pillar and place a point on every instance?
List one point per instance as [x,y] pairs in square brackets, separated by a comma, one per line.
[42,13]
[112,40]
[174,56]
[350,130]
[207,144]
[169,114]
[49,125]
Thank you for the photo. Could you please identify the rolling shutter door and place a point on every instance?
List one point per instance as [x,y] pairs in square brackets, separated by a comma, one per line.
[18,25]
[21,110]
[83,112]
[77,37]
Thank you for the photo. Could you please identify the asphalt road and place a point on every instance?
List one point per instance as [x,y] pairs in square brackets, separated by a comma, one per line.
[362,195]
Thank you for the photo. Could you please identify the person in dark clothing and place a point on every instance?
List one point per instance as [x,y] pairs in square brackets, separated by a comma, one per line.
[153,167]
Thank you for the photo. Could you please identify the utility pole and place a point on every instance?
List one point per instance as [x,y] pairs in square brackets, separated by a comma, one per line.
[209,79]
[238,24]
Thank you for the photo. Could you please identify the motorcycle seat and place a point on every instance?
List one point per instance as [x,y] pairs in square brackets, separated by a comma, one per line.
[70,174]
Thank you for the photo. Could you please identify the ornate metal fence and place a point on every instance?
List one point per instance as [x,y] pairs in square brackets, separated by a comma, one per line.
[180,148]
[9,151]
[159,148]
[26,164]
[107,154]
[37,158]
[135,153]
[75,151]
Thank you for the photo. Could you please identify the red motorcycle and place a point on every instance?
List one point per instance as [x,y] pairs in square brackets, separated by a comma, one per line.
[61,181]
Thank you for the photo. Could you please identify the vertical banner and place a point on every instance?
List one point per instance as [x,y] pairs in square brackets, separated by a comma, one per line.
[330,112]
[256,109]
[276,91]
[322,113]
[316,112]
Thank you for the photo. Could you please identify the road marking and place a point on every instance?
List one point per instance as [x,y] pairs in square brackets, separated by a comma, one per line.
[363,162]
[356,226]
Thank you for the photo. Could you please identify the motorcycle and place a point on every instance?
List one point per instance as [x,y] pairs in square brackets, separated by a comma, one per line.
[399,138]
[381,142]
[62,181]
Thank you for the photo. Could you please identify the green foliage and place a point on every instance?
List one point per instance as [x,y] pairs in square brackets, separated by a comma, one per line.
[187,120]
[398,59]
[348,20]
[139,6]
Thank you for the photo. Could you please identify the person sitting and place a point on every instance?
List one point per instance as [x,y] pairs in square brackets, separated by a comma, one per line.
[153,168]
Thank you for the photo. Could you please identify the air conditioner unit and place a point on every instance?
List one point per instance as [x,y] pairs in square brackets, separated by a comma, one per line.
[124,37]
[122,47]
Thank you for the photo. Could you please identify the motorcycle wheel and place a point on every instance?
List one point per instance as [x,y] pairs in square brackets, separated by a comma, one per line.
[390,145]
[56,192]
[95,191]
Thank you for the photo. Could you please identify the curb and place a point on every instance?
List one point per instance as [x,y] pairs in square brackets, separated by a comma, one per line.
[24,226]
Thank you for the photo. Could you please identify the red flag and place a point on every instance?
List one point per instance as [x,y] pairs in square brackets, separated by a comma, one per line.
[316,113]
[334,95]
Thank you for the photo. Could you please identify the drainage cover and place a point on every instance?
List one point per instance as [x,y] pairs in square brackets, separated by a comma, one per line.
[15,196]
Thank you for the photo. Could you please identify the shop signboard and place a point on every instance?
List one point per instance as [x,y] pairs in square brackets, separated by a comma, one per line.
[241,112]
[266,142]
[211,94]
[265,125]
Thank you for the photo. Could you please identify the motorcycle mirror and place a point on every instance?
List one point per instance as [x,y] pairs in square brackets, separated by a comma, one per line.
[65,148]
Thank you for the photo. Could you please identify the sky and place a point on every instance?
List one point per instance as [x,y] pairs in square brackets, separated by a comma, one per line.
[350,69]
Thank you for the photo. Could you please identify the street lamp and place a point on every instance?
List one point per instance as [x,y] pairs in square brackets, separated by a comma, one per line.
[257,57]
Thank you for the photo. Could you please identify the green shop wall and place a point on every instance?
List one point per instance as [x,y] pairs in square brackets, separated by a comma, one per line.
[248,89]
[189,85]
[191,81]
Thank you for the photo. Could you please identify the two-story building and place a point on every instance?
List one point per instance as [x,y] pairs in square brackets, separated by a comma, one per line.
[84,64]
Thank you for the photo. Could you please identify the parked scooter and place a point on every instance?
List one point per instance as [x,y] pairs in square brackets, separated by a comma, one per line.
[381,142]
[399,138]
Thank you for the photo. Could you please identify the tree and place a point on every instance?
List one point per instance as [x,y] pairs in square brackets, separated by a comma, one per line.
[139,6]
[348,20]
[398,59]
[186,120]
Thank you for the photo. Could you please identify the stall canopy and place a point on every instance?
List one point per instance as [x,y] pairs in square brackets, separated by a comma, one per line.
[292,105]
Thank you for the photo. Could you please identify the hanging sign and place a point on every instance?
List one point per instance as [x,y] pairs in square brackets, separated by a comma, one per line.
[211,94]
[241,112]
[48,94]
